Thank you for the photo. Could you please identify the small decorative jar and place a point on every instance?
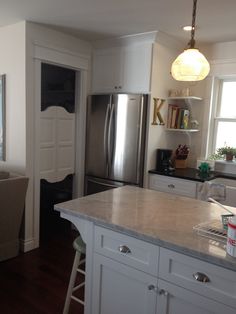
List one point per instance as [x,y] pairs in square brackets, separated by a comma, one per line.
[231,237]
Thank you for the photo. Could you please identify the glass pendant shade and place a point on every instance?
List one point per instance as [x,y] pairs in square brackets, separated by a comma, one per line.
[190,65]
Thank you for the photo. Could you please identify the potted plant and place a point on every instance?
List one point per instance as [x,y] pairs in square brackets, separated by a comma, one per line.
[227,151]
[181,155]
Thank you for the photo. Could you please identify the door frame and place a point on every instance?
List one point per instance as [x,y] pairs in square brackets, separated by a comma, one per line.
[79,63]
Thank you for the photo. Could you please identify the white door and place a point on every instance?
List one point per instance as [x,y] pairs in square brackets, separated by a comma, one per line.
[176,300]
[119,289]
[57,144]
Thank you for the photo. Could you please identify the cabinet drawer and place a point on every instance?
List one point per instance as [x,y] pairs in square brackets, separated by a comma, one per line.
[181,269]
[136,253]
[172,185]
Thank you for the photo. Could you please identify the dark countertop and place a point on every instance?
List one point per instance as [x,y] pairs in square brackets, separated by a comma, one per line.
[193,174]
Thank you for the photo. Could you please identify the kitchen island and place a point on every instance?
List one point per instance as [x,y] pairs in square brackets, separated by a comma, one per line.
[142,255]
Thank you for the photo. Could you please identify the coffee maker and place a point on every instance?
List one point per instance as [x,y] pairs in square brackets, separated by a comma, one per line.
[163,159]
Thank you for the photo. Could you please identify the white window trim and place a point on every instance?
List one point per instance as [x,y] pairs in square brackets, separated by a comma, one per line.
[215,118]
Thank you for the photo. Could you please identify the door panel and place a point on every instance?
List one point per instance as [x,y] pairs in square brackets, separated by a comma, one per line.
[96,137]
[57,144]
[126,138]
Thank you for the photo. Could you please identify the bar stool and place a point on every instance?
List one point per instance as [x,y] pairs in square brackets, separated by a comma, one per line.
[80,248]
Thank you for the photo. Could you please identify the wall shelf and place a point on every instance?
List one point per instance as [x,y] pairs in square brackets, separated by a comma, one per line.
[185,98]
[183,130]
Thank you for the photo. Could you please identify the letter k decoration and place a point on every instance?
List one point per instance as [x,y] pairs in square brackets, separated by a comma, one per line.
[158,103]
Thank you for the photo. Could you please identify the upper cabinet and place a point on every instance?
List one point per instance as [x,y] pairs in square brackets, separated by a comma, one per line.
[122,69]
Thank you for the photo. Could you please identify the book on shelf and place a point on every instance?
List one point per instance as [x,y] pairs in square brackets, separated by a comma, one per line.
[177,118]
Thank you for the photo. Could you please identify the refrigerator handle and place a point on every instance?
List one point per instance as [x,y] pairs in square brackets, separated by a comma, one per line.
[106,130]
[139,150]
[110,139]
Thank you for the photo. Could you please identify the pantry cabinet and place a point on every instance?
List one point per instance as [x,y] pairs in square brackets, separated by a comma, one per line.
[122,69]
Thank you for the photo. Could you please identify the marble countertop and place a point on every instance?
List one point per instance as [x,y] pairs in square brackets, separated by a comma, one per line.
[160,218]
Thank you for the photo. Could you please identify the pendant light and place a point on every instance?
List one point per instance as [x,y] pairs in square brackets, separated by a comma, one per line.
[190,65]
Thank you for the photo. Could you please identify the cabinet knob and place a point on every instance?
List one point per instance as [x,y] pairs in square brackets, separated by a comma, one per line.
[163,292]
[124,249]
[120,87]
[171,186]
[152,287]
[201,277]
[115,87]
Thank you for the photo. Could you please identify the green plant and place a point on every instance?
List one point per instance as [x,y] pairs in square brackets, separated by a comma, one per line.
[226,150]
[215,157]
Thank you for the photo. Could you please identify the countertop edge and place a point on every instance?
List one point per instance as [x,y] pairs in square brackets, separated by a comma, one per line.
[153,240]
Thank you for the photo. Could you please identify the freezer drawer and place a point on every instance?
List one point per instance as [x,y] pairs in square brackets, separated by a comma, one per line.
[95,185]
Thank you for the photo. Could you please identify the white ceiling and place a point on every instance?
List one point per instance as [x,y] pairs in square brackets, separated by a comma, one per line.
[97,19]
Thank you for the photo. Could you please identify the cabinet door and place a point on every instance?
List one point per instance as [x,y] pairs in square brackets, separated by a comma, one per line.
[136,62]
[121,289]
[176,300]
[107,70]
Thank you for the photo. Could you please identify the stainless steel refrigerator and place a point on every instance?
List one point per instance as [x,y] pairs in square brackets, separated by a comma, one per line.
[115,141]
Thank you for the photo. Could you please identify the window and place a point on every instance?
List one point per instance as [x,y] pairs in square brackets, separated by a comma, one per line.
[225,115]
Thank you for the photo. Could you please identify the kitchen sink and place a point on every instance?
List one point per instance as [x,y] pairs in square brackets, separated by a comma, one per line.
[230,185]
[225,181]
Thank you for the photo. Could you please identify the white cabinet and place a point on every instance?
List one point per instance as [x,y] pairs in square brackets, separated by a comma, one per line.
[133,276]
[118,289]
[200,277]
[173,299]
[173,185]
[122,69]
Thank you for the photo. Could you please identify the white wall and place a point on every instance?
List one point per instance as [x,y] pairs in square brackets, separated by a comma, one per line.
[12,63]
[162,81]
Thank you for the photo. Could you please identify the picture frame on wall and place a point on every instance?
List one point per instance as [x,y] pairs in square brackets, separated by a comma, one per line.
[2,117]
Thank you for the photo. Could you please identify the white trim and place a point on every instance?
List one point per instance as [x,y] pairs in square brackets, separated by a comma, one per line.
[28,245]
[60,56]
[78,189]
[37,150]
[222,61]
[78,63]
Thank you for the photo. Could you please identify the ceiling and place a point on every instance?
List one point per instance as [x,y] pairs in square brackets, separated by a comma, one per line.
[97,19]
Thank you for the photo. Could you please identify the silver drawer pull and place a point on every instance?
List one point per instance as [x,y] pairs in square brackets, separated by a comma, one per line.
[201,277]
[171,186]
[124,249]
[163,292]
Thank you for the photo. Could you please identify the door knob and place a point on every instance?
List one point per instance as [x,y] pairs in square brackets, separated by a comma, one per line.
[163,292]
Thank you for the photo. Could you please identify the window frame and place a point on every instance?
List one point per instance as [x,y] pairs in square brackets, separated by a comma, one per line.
[217,97]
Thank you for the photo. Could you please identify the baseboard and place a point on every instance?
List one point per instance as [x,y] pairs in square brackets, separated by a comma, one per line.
[28,245]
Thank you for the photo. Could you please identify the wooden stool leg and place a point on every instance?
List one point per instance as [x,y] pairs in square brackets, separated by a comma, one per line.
[71,282]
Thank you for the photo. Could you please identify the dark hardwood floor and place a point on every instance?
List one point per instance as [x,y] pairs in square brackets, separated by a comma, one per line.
[36,282]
